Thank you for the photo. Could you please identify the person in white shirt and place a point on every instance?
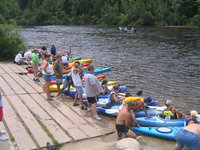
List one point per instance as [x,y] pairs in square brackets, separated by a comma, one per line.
[64,60]
[76,70]
[27,57]
[18,58]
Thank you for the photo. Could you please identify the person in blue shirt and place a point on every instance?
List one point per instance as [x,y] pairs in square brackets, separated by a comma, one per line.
[53,49]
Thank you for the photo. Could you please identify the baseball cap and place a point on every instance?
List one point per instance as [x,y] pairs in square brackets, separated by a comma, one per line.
[148,99]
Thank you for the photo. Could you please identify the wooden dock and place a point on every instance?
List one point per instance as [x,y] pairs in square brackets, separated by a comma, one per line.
[31,121]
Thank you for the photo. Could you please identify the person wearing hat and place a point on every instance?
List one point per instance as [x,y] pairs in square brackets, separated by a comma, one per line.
[139,103]
[124,122]
[35,63]
[18,58]
[170,111]
[192,118]
[189,136]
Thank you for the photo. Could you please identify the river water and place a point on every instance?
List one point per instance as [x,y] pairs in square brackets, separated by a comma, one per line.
[163,62]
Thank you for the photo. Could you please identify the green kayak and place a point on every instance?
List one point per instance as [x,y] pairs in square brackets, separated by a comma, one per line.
[75,58]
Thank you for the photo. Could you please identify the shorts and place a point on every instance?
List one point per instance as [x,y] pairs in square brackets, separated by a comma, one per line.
[53,53]
[79,90]
[35,67]
[1,113]
[47,78]
[92,99]
[58,81]
[66,84]
[192,141]
[121,129]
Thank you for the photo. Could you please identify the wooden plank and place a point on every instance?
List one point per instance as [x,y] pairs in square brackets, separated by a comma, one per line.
[84,125]
[6,68]
[14,85]
[1,70]
[38,112]
[8,144]
[20,68]
[25,85]
[21,137]
[32,124]
[5,87]
[32,83]
[64,122]
[13,67]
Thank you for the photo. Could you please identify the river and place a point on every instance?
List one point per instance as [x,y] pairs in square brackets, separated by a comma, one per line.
[164,62]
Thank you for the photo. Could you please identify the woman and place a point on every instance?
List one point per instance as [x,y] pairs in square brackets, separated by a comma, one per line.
[47,72]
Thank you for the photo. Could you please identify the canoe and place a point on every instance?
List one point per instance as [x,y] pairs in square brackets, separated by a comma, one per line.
[75,58]
[54,88]
[114,110]
[73,92]
[157,121]
[99,77]
[163,132]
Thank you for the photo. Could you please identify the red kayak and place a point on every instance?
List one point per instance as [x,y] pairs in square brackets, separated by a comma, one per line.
[99,77]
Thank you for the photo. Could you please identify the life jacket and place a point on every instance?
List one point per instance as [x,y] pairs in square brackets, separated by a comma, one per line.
[128,99]
[112,102]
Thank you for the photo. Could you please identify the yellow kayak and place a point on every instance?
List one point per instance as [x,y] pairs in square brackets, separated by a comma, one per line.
[82,61]
[53,88]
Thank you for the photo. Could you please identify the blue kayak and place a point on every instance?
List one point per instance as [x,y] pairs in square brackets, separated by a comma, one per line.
[157,121]
[73,92]
[113,111]
[163,132]
[96,71]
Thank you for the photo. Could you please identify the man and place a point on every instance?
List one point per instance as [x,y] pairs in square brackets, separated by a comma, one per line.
[58,71]
[53,49]
[125,120]
[93,89]
[75,71]
[67,83]
[35,63]
[139,103]
[18,58]
[27,57]
[2,137]
[188,136]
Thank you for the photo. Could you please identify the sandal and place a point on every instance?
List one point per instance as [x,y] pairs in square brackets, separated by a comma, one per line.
[75,104]
[50,99]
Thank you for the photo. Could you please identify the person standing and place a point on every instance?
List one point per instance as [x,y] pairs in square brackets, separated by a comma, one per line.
[53,49]
[76,70]
[93,89]
[58,71]
[2,137]
[35,63]
[47,71]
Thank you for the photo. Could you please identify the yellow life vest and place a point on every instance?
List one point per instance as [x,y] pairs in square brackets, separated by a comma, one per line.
[168,113]
[128,99]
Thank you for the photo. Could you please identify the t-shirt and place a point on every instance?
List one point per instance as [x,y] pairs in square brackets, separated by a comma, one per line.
[58,67]
[27,54]
[64,60]
[76,78]
[53,48]
[35,57]
[90,81]
[18,57]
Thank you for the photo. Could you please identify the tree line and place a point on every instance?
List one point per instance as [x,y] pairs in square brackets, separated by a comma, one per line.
[105,12]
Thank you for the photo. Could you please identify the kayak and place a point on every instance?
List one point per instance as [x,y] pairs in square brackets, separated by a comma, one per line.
[114,110]
[98,77]
[54,88]
[157,121]
[82,61]
[69,69]
[73,93]
[75,58]
[163,132]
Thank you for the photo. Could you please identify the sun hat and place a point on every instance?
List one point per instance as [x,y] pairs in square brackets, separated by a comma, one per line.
[35,50]
[194,113]
[168,102]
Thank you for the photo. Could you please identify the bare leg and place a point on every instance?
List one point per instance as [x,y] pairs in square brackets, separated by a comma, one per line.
[89,105]
[47,84]
[131,134]
[93,107]
[58,86]
[175,147]
[76,98]
[60,92]
[28,61]
[35,74]
[81,100]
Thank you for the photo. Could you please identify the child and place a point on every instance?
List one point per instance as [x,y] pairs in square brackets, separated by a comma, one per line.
[104,85]
[2,137]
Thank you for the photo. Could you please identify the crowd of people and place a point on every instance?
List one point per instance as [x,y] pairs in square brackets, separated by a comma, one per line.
[39,61]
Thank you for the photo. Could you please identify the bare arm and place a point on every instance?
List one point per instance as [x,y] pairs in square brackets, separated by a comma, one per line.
[45,68]
[127,121]
[116,99]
